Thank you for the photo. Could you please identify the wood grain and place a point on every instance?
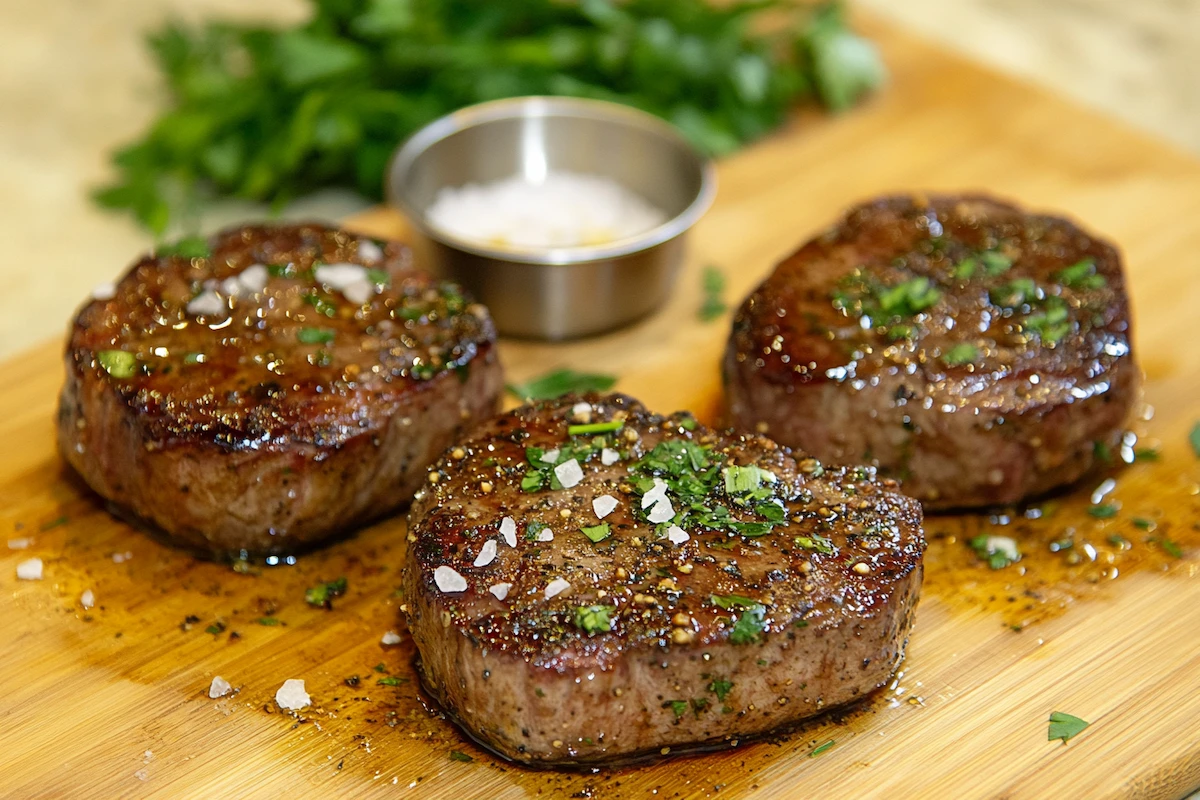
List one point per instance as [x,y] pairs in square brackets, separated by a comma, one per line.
[113,701]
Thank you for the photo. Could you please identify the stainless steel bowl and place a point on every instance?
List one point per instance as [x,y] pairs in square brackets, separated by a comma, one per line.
[563,292]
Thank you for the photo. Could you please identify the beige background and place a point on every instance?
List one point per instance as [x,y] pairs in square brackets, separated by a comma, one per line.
[75,81]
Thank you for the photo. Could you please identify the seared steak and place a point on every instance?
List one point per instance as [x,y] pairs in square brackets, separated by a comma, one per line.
[272,387]
[588,581]
[976,352]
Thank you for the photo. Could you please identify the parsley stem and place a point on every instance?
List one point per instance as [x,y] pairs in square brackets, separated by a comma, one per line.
[595,427]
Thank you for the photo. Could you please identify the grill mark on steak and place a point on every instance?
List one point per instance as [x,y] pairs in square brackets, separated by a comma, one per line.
[522,675]
[994,393]
[284,415]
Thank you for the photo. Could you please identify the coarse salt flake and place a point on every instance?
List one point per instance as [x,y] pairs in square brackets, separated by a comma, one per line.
[550,456]
[206,304]
[677,535]
[389,638]
[662,511]
[448,580]
[569,473]
[556,587]
[121,558]
[369,251]
[657,492]
[19,544]
[359,292]
[104,291]
[487,553]
[508,529]
[545,535]
[339,276]
[220,687]
[87,599]
[500,590]
[604,505]
[254,278]
[231,287]
[582,411]
[30,570]
[608,456]
[291,696]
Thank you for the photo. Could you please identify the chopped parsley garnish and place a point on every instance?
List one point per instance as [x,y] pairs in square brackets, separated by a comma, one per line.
[909,298]
[1170,548]
[1101,451]
[822,748]
[965,268]
[322,594]
[193,358]
[595,427]
[740,480]
[391,680]
[54,523]
[187,247]
[885,306]
[594,619]
[680,707]
[815,542]
[1106,511]
[962,353]
[118,363]
[1144,524]
[533,480]
[534,529]
[1081,275]
[749,625]
[713,284]
[556,384]
[380,667]
[322,306]
[1015,294]
[694,476]
[1194,439]
[997,551]
[720,687]
[270,622]
[315,336]
[688,423]
[458,755]
[1146,454]
[379,277]
[1064,726]
[995,263]
[1051,325]
[216,629]
[597,533]
[729,602]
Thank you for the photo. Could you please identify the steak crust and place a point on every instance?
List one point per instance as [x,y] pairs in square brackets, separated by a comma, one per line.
[979,353]
[237,403]
[730,632]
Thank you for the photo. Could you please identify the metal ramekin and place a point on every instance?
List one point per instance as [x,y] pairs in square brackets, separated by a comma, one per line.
[556,293]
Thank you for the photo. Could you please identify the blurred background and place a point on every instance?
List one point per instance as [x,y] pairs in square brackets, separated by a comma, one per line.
[77,82]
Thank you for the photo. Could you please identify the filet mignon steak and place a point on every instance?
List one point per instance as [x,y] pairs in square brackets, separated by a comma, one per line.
[978,353]
[269,388]
[587,581]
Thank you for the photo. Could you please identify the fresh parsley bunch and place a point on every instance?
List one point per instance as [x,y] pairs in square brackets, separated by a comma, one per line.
[272,113]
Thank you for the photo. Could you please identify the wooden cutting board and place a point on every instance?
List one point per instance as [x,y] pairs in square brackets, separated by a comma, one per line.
[113,701]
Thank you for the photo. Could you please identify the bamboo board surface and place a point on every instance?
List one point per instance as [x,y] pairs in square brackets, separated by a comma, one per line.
[113,702]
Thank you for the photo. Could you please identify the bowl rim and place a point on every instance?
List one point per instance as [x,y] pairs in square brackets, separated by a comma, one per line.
[534,106]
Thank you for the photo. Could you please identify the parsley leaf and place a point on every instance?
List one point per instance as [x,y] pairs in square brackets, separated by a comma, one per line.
[597,533]
[959,354]
[714,286]
[720,687]
[749,626]
[824,747]
[458,755]
[1194,439]
[315,336]
[322,594]
[118,363]
[564,381]
[594,619]
[1064,726]
[997,551]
